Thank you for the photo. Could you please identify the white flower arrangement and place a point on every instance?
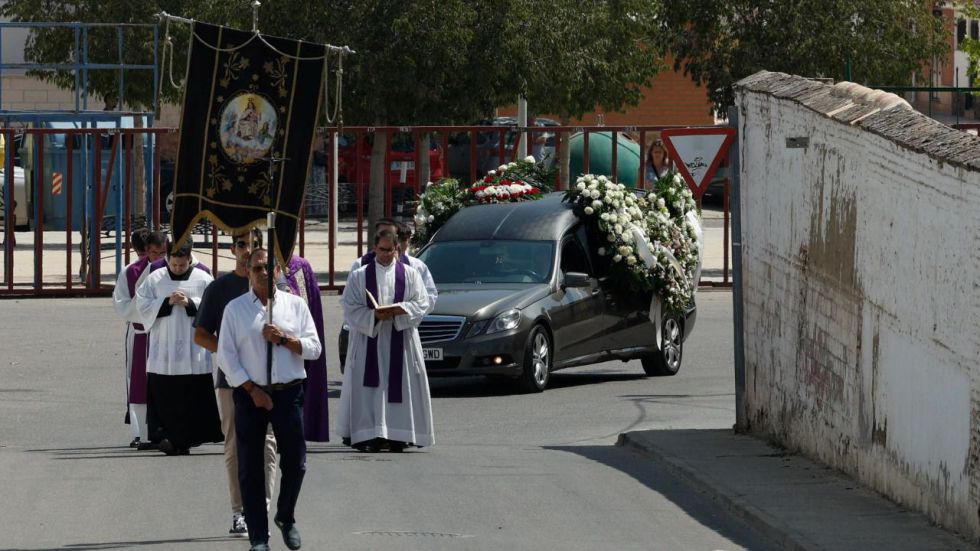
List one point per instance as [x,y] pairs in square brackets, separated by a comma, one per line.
[668,258]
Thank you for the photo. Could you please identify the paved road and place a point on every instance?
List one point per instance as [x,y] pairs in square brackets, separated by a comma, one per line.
[509,471]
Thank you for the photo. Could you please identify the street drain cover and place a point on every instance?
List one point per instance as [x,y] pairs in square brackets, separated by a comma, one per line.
[397,533]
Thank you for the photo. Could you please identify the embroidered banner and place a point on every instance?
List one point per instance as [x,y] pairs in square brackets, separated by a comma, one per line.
[246,134]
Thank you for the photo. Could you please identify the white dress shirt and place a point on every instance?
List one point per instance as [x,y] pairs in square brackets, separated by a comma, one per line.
[242,350]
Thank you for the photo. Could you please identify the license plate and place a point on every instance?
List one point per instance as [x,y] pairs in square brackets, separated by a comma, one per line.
[397,165]
[434,354]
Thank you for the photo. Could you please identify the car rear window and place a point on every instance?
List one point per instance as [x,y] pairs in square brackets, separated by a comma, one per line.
[489,261]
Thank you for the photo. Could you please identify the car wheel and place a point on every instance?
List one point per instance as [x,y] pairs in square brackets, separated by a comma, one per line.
[537,361]
[668,361]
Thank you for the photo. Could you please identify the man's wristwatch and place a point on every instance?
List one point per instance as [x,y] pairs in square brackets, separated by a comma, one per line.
[283,340]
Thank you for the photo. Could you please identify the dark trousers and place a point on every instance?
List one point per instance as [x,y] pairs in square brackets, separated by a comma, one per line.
[251,424]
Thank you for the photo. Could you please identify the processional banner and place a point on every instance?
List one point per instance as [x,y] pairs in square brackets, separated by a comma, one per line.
[246,134]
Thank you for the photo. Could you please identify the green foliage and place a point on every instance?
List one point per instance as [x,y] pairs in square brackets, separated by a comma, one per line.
[417,61]
[884,42]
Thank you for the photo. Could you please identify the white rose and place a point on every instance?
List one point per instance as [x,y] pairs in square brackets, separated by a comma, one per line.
[617,258]
[595,194]
[661,203]
[602,178]
[621,187]
[431,218]
[419,219]
[604,216]
[588,210]
[596,204]
[427,184]
[607,199]
[530,159]
[502,168]
[492,173]
[619,229]
[580,186]
[611,238]
[631,260]
[602,251]
[623,250]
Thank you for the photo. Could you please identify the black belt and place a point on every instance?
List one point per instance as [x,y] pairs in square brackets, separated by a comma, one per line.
[282,386]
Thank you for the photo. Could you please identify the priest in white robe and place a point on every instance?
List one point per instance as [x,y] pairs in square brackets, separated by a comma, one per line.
[181,408]
[385,402]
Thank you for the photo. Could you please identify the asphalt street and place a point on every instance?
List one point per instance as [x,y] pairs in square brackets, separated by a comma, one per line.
[508,471]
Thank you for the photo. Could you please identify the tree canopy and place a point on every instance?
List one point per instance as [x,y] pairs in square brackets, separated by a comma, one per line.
[879,42]
[417,61]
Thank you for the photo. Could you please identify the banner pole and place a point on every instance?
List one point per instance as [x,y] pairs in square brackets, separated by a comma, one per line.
[271,267]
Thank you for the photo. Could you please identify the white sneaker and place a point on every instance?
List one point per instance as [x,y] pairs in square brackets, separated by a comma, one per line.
[238,526]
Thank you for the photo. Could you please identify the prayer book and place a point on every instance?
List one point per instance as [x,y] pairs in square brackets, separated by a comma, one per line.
[385,307]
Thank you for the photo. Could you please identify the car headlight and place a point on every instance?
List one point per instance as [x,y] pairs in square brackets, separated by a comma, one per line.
[505,321]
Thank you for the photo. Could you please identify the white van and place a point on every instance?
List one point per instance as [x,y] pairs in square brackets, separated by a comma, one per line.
[20,194]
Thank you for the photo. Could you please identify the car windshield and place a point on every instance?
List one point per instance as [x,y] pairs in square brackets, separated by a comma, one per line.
[490,261]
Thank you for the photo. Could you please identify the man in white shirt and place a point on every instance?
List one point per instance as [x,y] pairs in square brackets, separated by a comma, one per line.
[260,401]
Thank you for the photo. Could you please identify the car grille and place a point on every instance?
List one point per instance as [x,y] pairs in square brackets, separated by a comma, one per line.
[440,328]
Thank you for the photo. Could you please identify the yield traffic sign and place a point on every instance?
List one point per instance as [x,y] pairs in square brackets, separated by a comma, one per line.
[697,152]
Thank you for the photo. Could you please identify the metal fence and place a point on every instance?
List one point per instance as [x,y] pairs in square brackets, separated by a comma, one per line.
[86,193]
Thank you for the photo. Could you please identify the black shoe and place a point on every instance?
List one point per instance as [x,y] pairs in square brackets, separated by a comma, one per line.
[290,535]
[167,447]
[345,440]
[396,446]
[135,443]
[259,547]
[143,446]
[368,446]
[184,451]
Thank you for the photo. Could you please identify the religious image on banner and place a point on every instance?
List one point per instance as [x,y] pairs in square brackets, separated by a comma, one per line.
[246,135]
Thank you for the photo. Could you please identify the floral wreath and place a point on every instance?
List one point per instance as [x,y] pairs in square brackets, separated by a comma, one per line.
[652,241]
[509,183]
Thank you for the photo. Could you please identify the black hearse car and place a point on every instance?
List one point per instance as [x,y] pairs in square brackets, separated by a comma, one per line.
[521,295]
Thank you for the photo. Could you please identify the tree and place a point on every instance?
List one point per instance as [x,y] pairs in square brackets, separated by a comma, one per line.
[418,61]
[879,42]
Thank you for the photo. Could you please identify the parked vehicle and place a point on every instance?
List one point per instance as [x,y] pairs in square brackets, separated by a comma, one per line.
[20,199]
[521,295]
[18,191]
[488,147]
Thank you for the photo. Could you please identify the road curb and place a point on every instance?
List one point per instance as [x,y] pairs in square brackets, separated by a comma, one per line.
[778,532]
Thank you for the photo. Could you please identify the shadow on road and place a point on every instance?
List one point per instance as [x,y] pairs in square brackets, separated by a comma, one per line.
[475,387]
[654,476]
[126,544]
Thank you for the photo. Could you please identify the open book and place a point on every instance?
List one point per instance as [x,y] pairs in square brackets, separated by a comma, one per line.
[396,309]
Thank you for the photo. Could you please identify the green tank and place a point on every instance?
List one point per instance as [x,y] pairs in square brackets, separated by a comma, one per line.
[600,157]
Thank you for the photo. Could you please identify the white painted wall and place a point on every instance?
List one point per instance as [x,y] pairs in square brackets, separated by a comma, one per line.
[862,293]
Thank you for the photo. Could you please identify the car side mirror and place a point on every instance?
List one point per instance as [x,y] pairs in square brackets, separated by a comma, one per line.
[576,279]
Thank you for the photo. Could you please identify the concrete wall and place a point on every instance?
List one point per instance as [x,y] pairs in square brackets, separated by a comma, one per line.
[862,289]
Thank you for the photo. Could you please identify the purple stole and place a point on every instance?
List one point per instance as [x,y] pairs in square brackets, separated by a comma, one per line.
[396,365]
[141,343]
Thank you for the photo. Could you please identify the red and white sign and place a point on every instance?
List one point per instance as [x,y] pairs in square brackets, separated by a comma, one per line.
[55,183]
[696,153]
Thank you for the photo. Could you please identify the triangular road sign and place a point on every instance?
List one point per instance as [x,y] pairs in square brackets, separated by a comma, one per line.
[696,153]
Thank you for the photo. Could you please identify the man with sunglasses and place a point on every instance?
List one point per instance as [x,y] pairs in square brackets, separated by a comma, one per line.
[207,325]
[260,402]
